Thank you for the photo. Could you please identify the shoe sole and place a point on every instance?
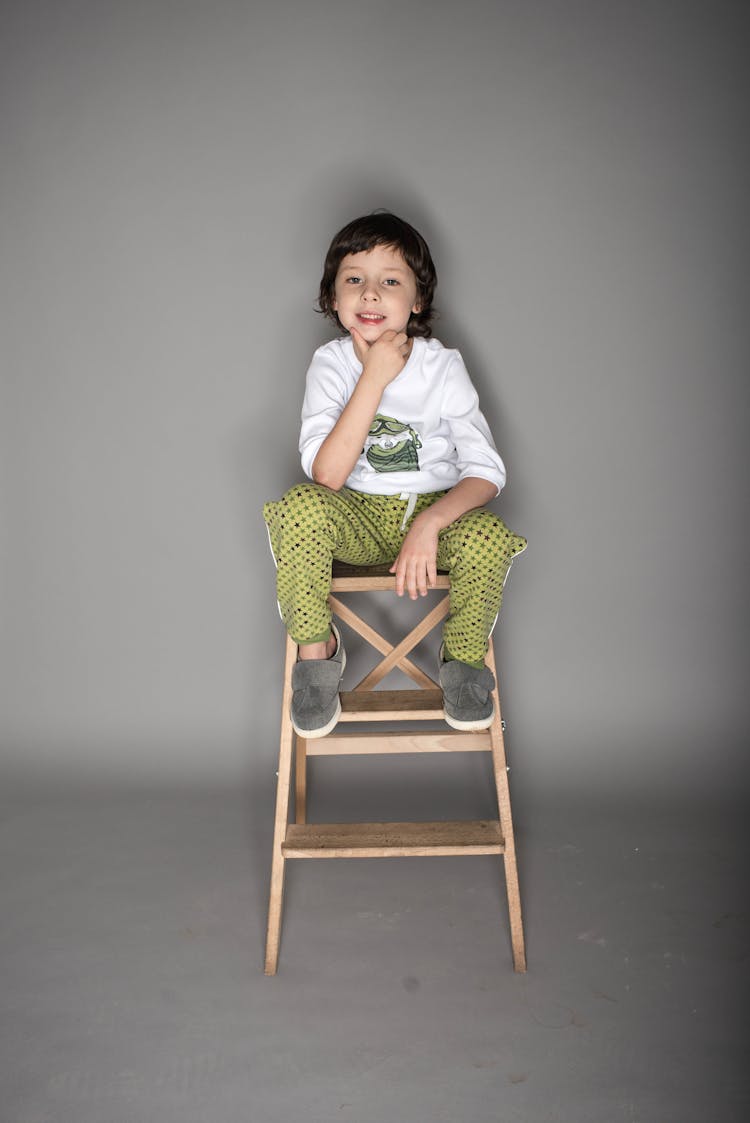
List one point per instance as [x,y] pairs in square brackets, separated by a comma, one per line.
[469,726]
[323,730]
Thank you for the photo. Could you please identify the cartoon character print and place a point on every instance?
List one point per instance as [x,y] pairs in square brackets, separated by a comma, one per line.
[391,445]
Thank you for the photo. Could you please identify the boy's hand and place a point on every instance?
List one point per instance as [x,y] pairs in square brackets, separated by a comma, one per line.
[386,357]
[416,564]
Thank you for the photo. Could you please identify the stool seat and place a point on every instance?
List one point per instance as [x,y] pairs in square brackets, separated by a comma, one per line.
[365,705]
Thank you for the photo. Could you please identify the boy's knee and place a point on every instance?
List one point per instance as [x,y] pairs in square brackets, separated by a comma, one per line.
[302,505]
[491,538]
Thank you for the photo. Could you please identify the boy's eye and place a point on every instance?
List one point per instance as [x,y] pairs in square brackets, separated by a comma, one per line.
[353,280]
[391,281]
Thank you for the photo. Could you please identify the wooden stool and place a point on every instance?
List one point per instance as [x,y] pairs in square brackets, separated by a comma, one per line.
[364,704]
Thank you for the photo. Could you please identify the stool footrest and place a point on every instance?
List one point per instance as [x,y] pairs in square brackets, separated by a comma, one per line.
[392,840]
[389,705]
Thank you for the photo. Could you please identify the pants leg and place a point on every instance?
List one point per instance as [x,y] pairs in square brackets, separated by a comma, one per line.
[476,550]
[309,527]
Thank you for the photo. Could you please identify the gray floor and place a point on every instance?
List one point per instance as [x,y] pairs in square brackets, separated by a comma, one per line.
[132,937]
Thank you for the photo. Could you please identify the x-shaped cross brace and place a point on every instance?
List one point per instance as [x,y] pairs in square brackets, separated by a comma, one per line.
[395,656]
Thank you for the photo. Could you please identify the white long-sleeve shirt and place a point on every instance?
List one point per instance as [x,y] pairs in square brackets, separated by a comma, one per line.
[428,433]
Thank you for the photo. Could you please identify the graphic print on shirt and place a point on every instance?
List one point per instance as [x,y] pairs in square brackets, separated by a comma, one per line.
[391,445]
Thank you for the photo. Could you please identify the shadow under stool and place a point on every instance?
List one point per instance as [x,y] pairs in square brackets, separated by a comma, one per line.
[366,705]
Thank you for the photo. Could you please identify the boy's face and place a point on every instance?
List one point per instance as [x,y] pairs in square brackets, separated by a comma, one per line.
[374,292]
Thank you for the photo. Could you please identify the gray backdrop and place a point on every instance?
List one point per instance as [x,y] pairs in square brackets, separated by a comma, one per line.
[171,175]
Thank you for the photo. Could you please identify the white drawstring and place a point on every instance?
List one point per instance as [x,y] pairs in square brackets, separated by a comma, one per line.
[411,496]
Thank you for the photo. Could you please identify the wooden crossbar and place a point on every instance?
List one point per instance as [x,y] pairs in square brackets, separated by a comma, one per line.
[361,744]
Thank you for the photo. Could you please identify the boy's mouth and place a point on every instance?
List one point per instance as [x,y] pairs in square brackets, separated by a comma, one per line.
[370,317]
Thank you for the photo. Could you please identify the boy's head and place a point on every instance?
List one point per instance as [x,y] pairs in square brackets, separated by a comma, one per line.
[385,230]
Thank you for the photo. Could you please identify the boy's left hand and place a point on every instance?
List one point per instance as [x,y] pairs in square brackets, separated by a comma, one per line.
[416,564]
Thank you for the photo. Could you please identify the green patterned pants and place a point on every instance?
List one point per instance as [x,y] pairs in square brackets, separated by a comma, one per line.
[311,525]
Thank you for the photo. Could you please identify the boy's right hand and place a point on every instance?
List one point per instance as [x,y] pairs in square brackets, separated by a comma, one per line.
[386,357]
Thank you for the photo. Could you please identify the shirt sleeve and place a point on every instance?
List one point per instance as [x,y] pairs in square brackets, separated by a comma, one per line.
[325,398]
[475,448]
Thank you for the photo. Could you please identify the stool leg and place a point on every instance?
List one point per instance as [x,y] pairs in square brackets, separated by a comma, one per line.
[506,824]
[282,815]
[300,784]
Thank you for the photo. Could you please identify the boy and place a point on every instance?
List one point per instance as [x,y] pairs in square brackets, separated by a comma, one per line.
[402,462]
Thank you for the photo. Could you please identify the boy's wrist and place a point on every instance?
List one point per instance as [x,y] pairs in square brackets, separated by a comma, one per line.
[431,519]
[374,372]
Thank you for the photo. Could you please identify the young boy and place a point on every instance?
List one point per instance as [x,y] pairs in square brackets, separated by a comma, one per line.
[402,461]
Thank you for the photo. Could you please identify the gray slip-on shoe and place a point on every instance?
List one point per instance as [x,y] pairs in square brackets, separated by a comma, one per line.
[316,706]
[467,702]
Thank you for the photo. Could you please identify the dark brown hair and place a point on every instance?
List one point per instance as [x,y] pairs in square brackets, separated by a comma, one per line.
[383,229]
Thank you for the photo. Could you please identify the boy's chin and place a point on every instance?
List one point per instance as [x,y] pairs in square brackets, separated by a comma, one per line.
[372,332]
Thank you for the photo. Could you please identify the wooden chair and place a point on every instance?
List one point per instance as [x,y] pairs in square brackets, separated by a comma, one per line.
[364,704]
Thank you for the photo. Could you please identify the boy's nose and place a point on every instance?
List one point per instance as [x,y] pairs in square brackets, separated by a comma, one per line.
[370,293]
